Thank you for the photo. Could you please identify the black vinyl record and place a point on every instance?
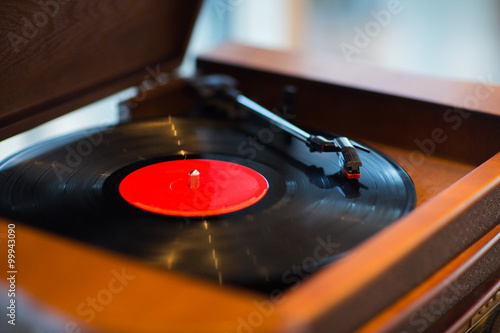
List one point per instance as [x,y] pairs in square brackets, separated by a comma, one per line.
[310,215]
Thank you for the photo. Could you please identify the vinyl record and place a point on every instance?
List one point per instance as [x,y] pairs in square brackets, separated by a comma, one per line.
[290,211]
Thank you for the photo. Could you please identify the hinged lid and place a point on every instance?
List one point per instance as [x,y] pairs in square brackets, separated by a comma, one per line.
[58,55]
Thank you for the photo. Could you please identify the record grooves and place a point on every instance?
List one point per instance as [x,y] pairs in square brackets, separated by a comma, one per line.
[309,215]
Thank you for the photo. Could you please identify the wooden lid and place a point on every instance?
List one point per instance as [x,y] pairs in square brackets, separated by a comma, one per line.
[58,55]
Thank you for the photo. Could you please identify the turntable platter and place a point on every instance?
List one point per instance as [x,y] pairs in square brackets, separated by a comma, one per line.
[305,213]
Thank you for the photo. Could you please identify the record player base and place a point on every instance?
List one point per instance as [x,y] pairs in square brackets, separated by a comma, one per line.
[381,285]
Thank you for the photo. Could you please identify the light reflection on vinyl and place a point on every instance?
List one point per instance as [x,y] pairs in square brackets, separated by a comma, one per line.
[71,186]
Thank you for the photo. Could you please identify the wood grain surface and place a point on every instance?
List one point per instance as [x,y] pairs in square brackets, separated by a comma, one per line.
[56,56]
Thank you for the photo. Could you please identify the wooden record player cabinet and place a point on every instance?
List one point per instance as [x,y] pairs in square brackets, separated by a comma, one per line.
[436,269]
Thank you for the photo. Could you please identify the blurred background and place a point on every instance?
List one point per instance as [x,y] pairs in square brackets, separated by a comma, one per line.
[455,39]
[458,39]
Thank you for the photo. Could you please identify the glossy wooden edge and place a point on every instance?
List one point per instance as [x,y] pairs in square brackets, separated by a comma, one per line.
[335,70]
[468,318]
[433,286]
[327,289]
[343,283]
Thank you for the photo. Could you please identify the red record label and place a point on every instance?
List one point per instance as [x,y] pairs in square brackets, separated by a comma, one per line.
[193,187]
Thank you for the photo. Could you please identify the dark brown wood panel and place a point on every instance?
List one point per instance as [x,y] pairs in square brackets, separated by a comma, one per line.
[447,293]
[61,54]
[427,116]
